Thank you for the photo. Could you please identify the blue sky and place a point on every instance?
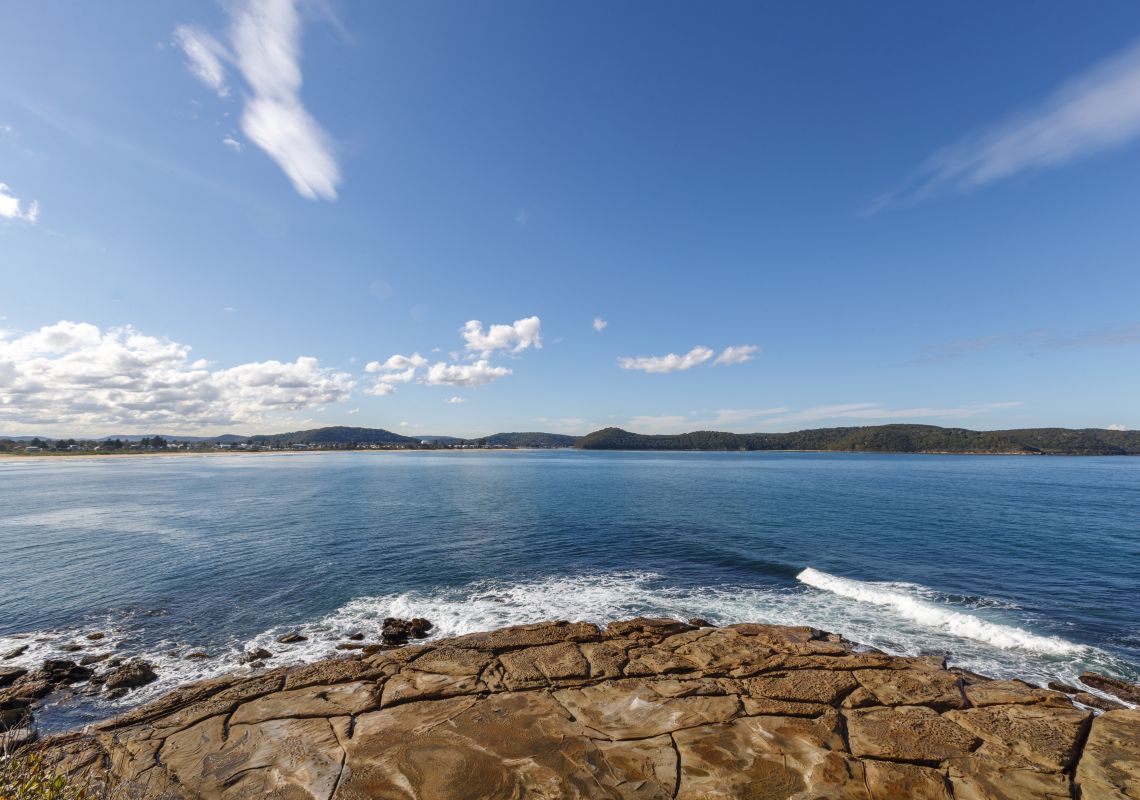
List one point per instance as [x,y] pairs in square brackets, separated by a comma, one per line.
[264,214]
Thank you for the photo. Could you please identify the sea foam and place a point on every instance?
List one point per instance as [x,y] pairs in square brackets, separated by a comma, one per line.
[927,614]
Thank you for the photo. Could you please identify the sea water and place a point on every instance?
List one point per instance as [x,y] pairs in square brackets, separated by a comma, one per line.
[1009,566]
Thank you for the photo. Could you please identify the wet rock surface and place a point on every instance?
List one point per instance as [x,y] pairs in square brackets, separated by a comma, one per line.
[642,710]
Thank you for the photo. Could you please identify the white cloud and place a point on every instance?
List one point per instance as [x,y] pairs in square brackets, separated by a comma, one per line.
[1096,111]
[380,389]
[600,324]
[397,362]
[667,363]
[265,45]
[736,354]
[205,54]
[477,374]
[233,144]
[82,379]
[10,207]
[456,400]
[516,337]
[353,411]
[1117,427]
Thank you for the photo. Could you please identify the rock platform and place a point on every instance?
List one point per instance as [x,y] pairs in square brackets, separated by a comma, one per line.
[640,710]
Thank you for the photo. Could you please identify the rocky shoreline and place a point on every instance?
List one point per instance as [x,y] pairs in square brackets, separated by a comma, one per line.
[642,709]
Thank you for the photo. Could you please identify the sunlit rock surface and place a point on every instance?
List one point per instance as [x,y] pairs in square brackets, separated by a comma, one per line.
[642,710]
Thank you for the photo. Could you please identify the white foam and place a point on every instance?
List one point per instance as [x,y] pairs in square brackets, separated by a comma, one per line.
[916,609]
[903,619]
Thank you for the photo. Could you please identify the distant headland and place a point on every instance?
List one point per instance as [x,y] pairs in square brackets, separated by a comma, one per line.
[930,439]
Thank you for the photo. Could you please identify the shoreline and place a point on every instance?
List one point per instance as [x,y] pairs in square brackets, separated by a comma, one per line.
[829,716]
[11,457]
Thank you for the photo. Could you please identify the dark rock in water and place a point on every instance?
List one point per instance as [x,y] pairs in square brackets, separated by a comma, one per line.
[114,694]
[195,656]
[94,658]
[96,636]
[700,622]
[15,738]
[257,654]
[1097,702]
[355,636]
[292,638]
[398,631]
[349,646]
[131,676]
[1128,692]
[70,648]
[1057,686]
[16,653]
[395,631]
[63,671]
[8,675]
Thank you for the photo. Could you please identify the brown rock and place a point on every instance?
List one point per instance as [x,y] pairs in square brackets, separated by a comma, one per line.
[805,685]
[1110,764]
[910,781]
[627,709]
[1128,692]
[16,652]
[913,687]
[1044,735]
[993,693]
[131,676]
[521,636]
[8,675]
[906,733]
[293,637]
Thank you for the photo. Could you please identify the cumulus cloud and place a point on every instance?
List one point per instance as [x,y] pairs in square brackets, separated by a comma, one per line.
[1096,111]
[12,208]
[204,54]
[455,400]
[80,378]
[479,373]
[1117,427]
[736,354]
[667,363]
[600,324]
[518,336]
[265,46]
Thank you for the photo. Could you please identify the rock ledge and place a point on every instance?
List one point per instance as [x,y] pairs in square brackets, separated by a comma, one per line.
[645,709]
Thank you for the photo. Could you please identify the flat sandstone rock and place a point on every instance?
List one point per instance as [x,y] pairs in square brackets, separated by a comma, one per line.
[647,709]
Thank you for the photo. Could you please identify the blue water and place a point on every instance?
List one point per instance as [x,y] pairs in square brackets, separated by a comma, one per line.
[1012,566]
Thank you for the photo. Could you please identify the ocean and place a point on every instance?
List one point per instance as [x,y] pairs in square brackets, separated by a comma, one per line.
[1009,566]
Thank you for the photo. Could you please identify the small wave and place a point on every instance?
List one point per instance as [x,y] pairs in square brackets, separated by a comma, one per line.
[922,611]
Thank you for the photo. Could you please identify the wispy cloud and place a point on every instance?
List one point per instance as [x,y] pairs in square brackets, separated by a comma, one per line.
[265,46]
[672,362]
[1118,427]
[736,355]
[12,207]
[879,412]
[600,324]
[233,144]
[722,419]
[455,400]
[1113,336]
[1094,112]
[204,56]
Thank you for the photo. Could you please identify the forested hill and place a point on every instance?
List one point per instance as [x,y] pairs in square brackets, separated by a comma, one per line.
[882,439]
[334,435]
[529,439]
